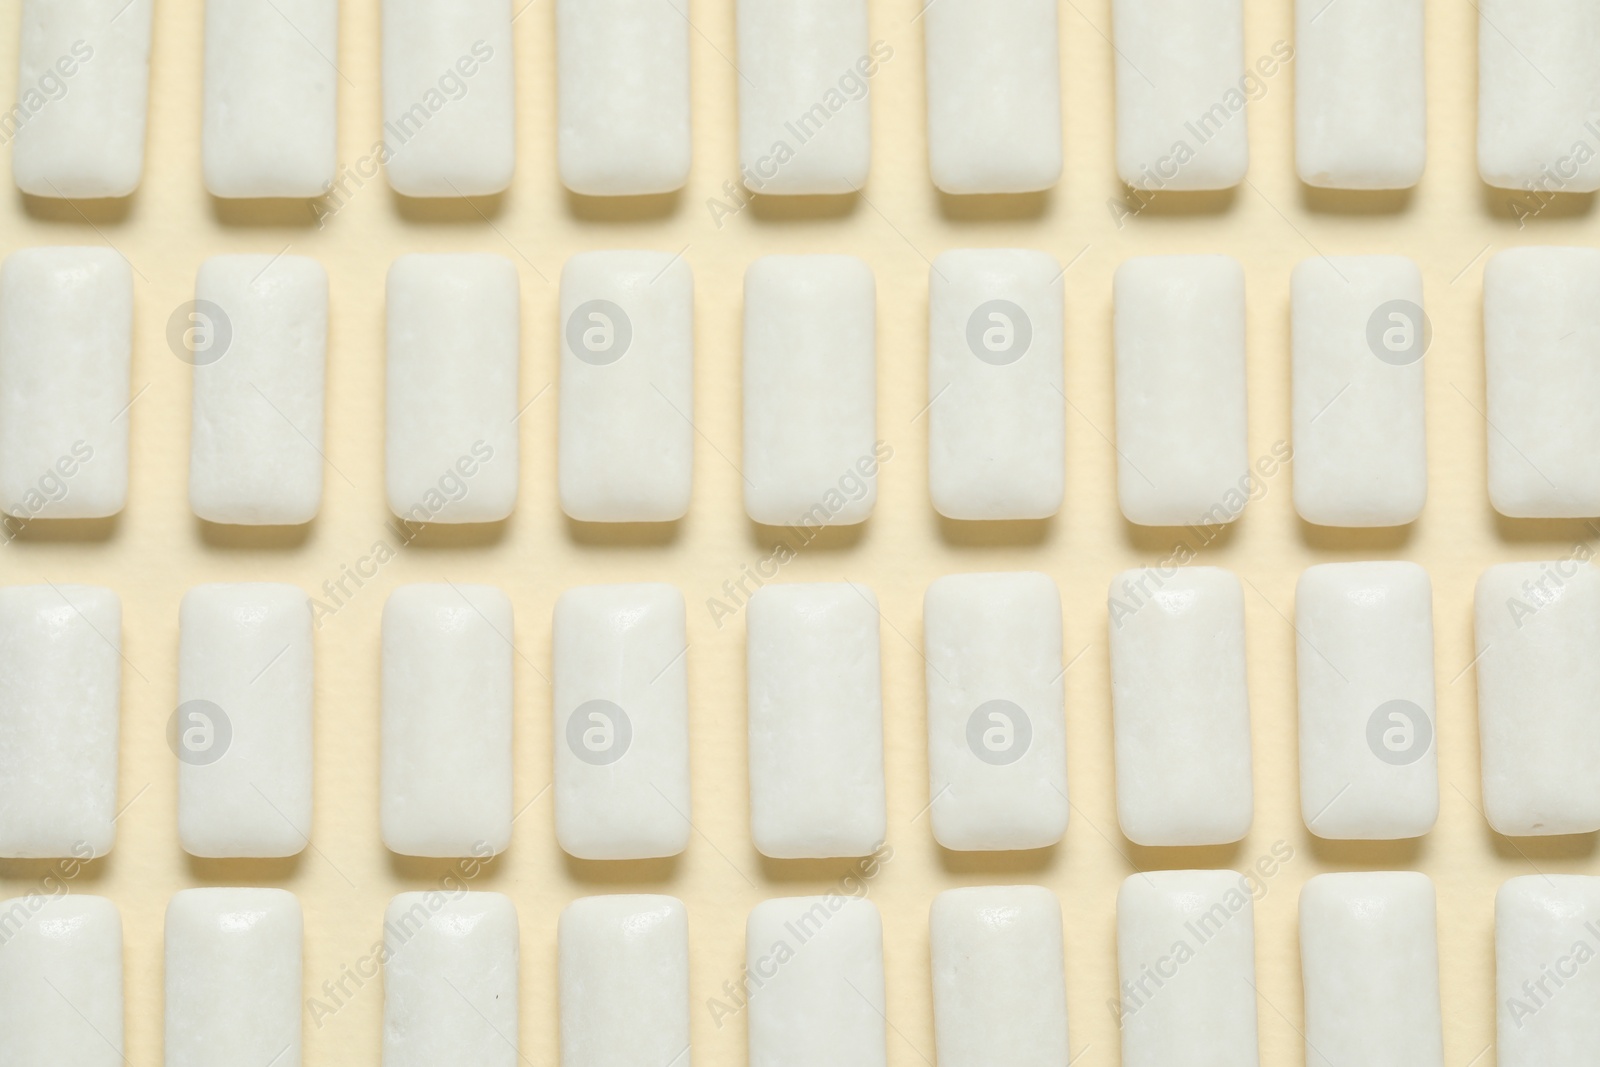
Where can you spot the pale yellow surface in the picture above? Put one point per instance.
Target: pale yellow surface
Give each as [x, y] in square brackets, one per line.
[157, 549]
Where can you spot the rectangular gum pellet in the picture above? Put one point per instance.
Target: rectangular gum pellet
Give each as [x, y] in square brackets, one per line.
[624, 969]
[814, 969]
[1181, 93]
[1541, 349]
[233, 977]
[622, 76]
[999, 987]
[259, 346]
[1180, 706]
[1537, 83]
[621, 688]
[1369, 960]
[626, 450]
[1360, 442]
[1537, 627]
[1546, 930]
[449, 101]
[1182, 440]
[994, 95]
[1186, 962]
[66, 326]
[1369, 769]
[997, 757]
[816, 721]
[271, 92]
[453, 359]
[61, 980]
[805, 116]
[83, 82]
[1360, 119]
[60, 698]
[447, 713]
[810, 391]
[996, 415]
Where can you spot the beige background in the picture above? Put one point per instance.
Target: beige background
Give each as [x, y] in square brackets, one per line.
[157, 549]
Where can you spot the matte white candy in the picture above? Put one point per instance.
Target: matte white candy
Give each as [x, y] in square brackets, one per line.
[1369, 957]
[60, 694]
[83, 80]
[1186, 960]
[1181, 93]
[1541, 347]
[627, 386]
[260, 341]
[997, 419]
[1360, 117]
[805, 117]
[447, 711]
[622, 72]
[821, 999]
[999, 989]
[66, 323]
[624, 982]
[1538, 625]
[994, 95]
[271, 95]
[621, 722]
[233, 978]
[449, 99]
[243, 725]
[1181, 706]
[997, 757]
[1546, 934]
[454, 324]
[816, 721]
[1537, 83]
[61, 980]
[450, 980]
[1360, 444]
[1183, 453]
[810, 391]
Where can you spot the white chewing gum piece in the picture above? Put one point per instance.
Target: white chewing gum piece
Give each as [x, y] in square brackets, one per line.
[450, 980]
[1181, 706]
[1369, 960]
[242, 731]
[1541, 350]
[626, 444]
[622, 78]
[810, 391]
[997, 753]
[1546, 931]
[994, 95]
[233, 978]
[816, 721]
[61, 980]
[805, 114]
[83, 84]
[60, 701]
[820, 964]
[1369, 764]
[454, 349]
[449, 97]
[66, 342]
[1186, 959]
[999, 984]
[624, 979]
[1537, 84]
[621, 722]
[1181, 94]
[270, 116]
[996, 417]
[447, 714]
[1360, 103]
[1360, 442]
[259, 347]
[1182, 440]
[1538, 625]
